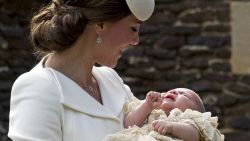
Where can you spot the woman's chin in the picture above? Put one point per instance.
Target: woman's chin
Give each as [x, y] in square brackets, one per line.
[113, 65]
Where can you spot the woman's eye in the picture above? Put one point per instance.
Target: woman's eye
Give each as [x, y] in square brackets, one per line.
[134, 29]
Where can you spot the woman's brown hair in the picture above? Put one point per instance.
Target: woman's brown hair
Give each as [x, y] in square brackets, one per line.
[58, 25]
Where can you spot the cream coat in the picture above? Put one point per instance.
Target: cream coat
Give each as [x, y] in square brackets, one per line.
[48, 106]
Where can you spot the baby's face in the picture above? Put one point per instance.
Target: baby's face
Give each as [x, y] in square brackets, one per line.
[181, 98]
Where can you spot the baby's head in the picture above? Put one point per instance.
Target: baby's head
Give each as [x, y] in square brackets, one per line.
[183, 99]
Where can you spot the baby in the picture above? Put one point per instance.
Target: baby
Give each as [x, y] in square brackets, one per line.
[178, 118]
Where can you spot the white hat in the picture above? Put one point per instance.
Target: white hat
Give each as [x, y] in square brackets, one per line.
[142, 9]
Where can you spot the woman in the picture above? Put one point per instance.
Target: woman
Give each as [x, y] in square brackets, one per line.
[64, 97]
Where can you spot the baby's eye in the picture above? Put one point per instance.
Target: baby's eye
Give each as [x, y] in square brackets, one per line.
[180, 92]
[187, 96]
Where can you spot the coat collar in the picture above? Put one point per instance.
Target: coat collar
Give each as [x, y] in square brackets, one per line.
[76, 98]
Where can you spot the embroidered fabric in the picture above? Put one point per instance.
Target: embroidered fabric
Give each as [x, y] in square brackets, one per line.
[204, 122]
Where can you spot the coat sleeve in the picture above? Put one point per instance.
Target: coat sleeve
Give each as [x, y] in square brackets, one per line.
[35, 110]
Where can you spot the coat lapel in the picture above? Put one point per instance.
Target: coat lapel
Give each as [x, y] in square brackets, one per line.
[74, 97]
[112, 90]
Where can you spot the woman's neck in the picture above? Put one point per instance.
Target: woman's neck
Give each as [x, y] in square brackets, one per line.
[77, 61]
[76, 67]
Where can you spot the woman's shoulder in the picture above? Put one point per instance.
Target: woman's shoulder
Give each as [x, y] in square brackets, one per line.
[35, 100]
[36, 81]
[35, 77]
[37, 88]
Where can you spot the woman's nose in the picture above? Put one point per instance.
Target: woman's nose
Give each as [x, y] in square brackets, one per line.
[135, 41]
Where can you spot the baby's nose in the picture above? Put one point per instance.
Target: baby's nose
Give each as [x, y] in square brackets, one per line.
[174, 92]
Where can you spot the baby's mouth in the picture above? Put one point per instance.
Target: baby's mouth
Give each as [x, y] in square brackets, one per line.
[169, 96]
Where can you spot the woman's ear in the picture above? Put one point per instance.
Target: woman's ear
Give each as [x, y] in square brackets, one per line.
[99, 27]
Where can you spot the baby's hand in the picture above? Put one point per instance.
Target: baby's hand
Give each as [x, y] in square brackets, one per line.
[153, 99]
[163, 127]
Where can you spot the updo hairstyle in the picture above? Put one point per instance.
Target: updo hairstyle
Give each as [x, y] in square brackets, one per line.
[58, 25]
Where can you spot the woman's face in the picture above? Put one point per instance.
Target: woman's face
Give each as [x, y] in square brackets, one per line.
[116, 37]
[181, 98]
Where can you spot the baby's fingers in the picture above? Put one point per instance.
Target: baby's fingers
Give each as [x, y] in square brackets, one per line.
[161, 126]
[155, 124]
[159, 98]
[153, 96]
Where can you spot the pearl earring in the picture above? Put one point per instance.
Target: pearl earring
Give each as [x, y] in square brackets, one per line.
[99, 39]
